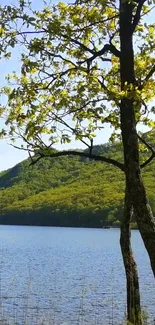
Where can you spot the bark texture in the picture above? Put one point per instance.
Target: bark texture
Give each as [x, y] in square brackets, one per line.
[134, 182]
[134, 315]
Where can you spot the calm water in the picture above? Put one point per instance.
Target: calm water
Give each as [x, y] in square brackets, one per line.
[68, 275]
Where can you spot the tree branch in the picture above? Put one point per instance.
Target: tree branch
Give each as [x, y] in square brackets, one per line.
[31, 32]
[150, 148]
[110, 93]
[80, 154]
[106, 48]
[81, 29]
[54, 76]
[137, 15]
[84, 47]
[145, 163]
[59, 119]
[150, 73]
[146, 143]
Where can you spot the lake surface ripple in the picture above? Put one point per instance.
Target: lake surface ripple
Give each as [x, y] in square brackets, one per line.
[68, 276]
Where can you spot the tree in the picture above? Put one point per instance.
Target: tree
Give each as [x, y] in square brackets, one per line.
[133, 293]
[82, 62]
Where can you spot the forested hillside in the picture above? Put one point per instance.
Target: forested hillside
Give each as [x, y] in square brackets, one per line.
[67, 191]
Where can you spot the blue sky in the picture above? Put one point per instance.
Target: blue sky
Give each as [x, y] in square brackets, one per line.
[9, 155]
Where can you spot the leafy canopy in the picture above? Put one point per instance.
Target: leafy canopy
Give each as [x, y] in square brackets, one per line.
[69, 85]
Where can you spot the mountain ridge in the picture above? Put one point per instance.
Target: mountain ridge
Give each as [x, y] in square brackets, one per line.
[67, 191]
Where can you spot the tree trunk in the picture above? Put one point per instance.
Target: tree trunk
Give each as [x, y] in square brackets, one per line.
[134, 315]
[134, 183]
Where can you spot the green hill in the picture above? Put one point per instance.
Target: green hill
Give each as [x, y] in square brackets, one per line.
[67, 191]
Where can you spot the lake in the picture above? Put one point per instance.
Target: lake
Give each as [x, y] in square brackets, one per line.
[68, 276]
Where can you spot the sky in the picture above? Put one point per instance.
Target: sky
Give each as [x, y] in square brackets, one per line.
[10, 156]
